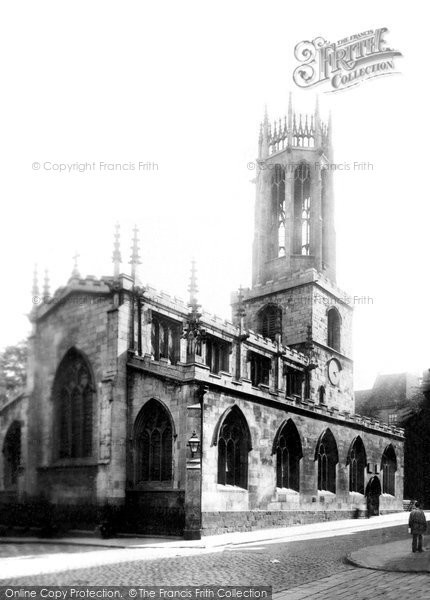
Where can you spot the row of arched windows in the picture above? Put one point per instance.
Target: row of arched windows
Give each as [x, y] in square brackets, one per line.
[233, 438]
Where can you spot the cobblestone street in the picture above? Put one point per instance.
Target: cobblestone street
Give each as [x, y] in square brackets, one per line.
[284, 565]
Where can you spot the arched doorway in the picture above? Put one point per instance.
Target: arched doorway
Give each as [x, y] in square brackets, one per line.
[12, 456]
[373, 491]
[153, 504]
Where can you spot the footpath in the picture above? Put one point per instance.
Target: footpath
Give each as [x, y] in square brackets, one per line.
[394, 556]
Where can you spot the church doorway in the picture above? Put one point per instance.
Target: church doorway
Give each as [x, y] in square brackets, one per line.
[373, 491]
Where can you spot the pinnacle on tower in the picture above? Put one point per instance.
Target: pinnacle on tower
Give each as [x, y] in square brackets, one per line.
[329, 134]
[116, 256]
[317, 107]
[264, 135]
[318, 137]
[290, 111]
[135, 258]
[35, 286]
[46, 286]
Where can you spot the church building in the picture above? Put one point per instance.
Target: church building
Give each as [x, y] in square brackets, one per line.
[181, 422]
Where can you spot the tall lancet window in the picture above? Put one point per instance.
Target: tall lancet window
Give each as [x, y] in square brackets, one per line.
[324, 215]
[73, 395]
[278, 203]
[389, 468]
[302, 210]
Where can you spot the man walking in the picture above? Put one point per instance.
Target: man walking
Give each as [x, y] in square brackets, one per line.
[417, 526]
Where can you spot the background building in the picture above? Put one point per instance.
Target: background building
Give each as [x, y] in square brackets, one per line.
[188, 423]
[391, 398]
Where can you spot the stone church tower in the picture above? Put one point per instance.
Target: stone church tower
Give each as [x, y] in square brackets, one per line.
[294, 297]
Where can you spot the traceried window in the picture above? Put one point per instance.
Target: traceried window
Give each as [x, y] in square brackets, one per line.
[327, 457]
[233, 446]
[270, 321]
[152, 443]
[260, 367]
[73, 398]
[333, 329]
[302, 210]
[11, 455]
[288, 455]
[278, 204]
[357, 463]
[165, 338]
[217, 354]
[389, 468]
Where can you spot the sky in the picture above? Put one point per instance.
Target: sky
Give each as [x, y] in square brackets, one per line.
[181, 88]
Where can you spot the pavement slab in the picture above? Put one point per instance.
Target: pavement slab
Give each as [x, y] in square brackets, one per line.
[392, 556]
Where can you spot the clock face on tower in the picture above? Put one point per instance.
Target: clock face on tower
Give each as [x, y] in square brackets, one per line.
[334, 369]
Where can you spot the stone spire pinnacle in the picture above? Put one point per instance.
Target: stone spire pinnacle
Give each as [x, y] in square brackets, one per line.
[240, 308]
[35, 286]
[46, 285]
[135, 258]
[193, 331]
[264, 135]
[116, 256]
[266, 116]
[290, 110]
[192, 288]
[318, 138]
[75, 272]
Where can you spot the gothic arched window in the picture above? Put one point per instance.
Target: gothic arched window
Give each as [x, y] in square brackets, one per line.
[288, 448]
[333, 329]
[327, 456]
[11, 455]
[389, 468]
[73, 398]
[270, 321]
[357, 464]
[152, 441]
[234, 443]
[302, 210]
[278, 207]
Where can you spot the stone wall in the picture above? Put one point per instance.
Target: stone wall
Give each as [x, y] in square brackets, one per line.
[215, 523]
[79, 321]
